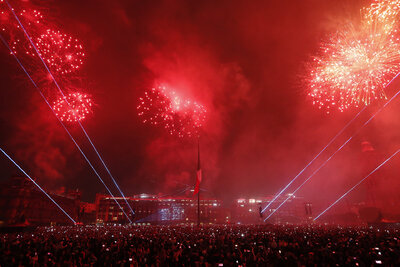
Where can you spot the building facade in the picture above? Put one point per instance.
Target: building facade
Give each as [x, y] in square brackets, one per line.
[21, 203]
[251, 211]
[158, 210]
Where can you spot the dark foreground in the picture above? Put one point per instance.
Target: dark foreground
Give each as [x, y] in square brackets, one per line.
[207, 246]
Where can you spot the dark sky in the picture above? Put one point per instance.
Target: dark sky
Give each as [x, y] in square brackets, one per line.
[244, 60]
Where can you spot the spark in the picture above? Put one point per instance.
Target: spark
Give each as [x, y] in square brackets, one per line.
[80, 105]
[181, 117]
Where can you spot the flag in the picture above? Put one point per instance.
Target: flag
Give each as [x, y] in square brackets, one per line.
[198, 181]
[198, 173]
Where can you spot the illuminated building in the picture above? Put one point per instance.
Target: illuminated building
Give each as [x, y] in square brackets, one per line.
[159, 210]
[247, 211]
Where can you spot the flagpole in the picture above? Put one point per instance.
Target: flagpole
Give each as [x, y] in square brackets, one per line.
[198, 194]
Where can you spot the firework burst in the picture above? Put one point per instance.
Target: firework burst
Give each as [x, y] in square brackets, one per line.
[28, 16]
[355, 65]
[382, 14]
[80, 105]
[61, 52]
[180, 117]
[12, 32]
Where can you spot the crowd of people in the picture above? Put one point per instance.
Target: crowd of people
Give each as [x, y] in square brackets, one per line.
[214, 245]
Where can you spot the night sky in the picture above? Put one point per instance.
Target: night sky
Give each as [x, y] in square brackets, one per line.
[243, 60]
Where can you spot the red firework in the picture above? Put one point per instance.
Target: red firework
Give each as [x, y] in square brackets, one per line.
[63, 54]
[80, 105]
[28, 16]
[356, 64]
[32, 19]
[181, 117]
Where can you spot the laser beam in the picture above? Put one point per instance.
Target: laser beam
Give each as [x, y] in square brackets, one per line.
[329, 143]
[340, 148]
[298, 188]
[357, 184]
[66, 100]
[62, 124]
[37, 185]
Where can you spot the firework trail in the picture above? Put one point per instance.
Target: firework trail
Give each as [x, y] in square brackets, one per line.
[354, 66]
[180, 117]
[80, 105]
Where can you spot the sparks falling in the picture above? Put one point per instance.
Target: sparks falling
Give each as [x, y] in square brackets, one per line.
[80, 105]
[355, 65]
[181, 117]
